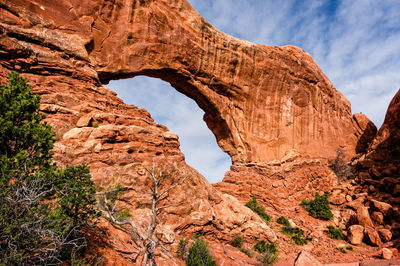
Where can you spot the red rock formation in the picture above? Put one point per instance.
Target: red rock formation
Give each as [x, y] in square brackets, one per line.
[259, 101]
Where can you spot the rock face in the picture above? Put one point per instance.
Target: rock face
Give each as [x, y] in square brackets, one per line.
[260, 102]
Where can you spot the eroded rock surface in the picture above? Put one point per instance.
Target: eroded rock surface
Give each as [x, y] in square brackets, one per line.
[260, 102]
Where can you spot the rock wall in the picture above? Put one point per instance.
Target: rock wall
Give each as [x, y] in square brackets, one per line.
[380, 166]
[261, 102]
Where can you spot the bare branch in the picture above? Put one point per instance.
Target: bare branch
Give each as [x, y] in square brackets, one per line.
[169, 205]
[173, 186]
[149, 243]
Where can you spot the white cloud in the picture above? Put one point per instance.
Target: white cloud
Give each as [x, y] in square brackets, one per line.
[356, 43]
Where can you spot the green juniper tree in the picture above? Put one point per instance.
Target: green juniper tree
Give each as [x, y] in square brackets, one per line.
[199, 254]
[42, 208]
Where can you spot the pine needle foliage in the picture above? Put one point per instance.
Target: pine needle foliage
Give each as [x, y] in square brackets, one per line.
[255, 207]
[199, 254]
[42, 208]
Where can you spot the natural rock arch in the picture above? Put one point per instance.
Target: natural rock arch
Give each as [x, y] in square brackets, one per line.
[260, 102]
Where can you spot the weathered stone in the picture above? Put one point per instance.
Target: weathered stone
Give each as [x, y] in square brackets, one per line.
[165, 234]
[395, 251]
[349, 198]
[377, 217]
[382, 207]
[387, 254]
[337, 199]
[372, 236]
[306, 259]
[84, 121]
[355, 234]
[363, 217]
[385, 234]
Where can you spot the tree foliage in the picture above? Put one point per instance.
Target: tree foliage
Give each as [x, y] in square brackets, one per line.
[255, 207]
[199, 254]
[319, 207]
[42, 208]
[335, 232]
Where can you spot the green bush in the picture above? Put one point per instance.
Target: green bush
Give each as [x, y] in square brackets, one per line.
[296, 234]
[319, 207]
[237, 241]
[42, 208]
[282, 220]
[182, 248]
[253, 205]
[335, 233]
[269, 252]
[199, 254]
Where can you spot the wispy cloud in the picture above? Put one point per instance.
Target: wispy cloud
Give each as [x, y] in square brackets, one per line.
[356, 43]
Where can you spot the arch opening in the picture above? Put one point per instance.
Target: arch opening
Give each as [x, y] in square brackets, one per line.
[182, 116]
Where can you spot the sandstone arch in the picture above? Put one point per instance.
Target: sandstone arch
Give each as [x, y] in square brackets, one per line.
[260, 102]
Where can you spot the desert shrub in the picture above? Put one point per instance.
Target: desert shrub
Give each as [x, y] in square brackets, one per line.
[255, 207]
[282, 220]
[335, 232]
[42, 208]
[199, 254]
[269, 252]
[296, 234]
[237, 241]
[269, 258]
[319, 207]
[182, 248]
[263, 246]
[340, 167]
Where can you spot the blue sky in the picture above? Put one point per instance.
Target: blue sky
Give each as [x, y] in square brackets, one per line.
[355, 42]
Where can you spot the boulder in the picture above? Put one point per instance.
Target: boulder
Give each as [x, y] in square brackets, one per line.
[337, 199]
[387, 254]
[372, 236]
[306, 259]
[363, 217]
[377, 217]
[355, 234]
[382, 207]
[385, 234]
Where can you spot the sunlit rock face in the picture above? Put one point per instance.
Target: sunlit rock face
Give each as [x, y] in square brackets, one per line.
[260, 102]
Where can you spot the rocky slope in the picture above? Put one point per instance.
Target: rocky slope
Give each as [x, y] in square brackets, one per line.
[271, 109]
